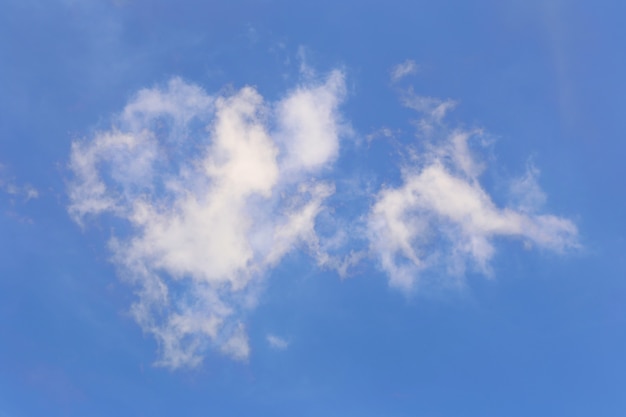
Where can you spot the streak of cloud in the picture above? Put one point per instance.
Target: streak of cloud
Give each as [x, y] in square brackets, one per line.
[404, 69]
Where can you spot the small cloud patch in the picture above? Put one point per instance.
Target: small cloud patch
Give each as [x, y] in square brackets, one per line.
[276, 342]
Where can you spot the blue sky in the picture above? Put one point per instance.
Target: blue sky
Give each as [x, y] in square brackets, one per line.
[283, 208]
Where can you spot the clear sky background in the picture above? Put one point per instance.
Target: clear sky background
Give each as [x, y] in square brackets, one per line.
[282, 208]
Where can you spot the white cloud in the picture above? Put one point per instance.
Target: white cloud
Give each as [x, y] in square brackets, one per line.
[403, 69]
[308, 124]
[215, 190]
[276, 342]
[440, 217]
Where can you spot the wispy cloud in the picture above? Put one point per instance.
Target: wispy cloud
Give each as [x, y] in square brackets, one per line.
[8, 185]
[383, 132]
[441, 219]
[276, 342]
[215, 191]
[432, 109]
[403, 69]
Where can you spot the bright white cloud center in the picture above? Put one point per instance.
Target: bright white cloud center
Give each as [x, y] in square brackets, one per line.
[215, 190]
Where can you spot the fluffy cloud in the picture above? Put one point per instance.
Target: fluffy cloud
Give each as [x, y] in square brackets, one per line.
[215, 190]
[441, 219]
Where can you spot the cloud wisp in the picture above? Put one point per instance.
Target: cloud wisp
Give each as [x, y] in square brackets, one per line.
[215, 190]
[440, 218]
[276, 342]
[402, 70]
[8, 185]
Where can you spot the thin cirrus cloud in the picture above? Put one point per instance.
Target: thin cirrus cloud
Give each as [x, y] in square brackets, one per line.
[24, 192]
[440, 218]
[276, 342]
[216, 190]
[404, 69]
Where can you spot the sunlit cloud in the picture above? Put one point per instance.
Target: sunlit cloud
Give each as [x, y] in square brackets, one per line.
[441, 221]
[215, 191]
